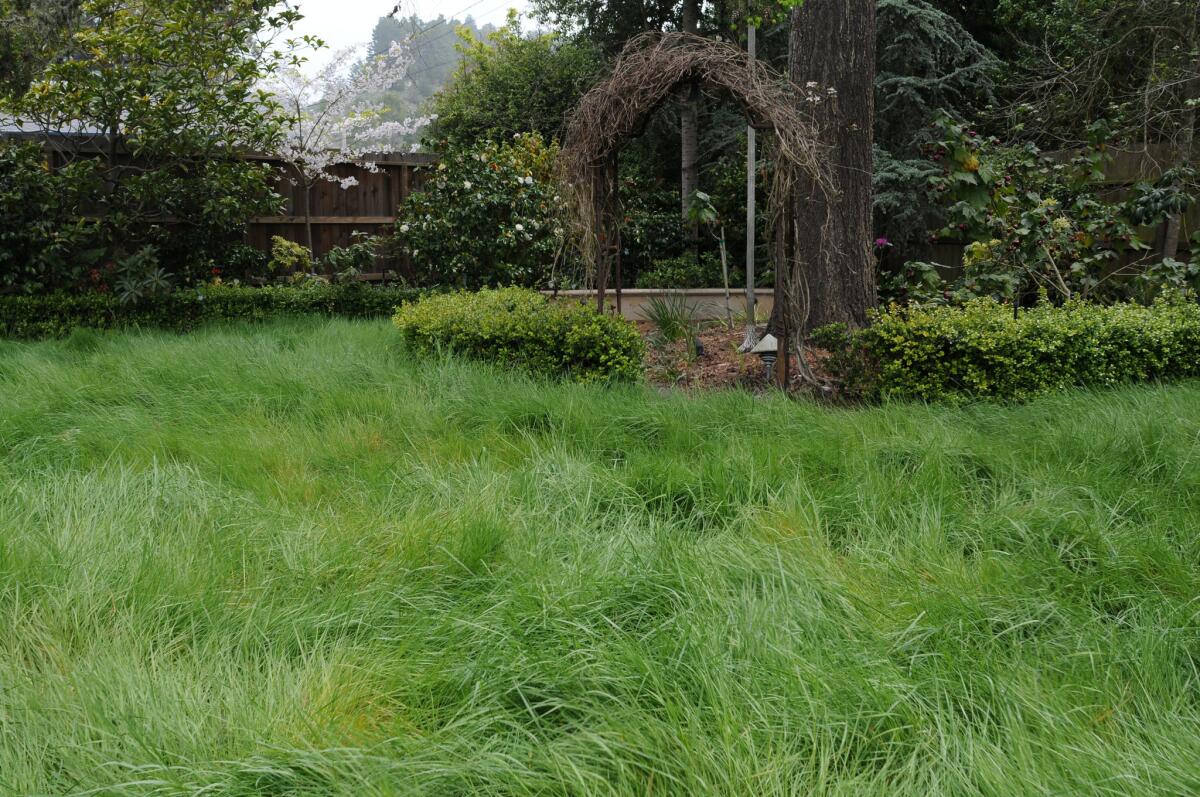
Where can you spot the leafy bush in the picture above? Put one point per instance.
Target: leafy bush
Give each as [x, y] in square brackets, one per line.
[288, 257]
[651, 228]
[487, 217]
[241, 261]
[347, 262]
[524, 329]
[683, 272]
[56, 314]
[1032, 222]
[44, 245]
[981, 351]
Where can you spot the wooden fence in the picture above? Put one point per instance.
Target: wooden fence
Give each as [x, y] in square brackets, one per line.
[336, 213]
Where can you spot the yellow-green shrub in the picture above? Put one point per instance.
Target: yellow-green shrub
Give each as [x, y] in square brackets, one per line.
[981, 351]
[524, 329]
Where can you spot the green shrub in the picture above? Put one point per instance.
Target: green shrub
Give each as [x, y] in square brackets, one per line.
[512, 82]
[288, 257]
[486, 217]
[55, 315]
[524, 329]
[347, 262]
[683, 272]
[980, 350]
[44, 244]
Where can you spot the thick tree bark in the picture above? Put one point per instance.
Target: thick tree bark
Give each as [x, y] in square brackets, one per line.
[689, 128]
[832, 45]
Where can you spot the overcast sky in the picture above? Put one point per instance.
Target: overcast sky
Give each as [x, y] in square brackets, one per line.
[344, 23]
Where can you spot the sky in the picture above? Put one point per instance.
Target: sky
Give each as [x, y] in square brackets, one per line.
[345, 23]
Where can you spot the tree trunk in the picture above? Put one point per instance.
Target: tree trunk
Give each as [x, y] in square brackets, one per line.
[308, 221]
[689, 130]
[832, 45]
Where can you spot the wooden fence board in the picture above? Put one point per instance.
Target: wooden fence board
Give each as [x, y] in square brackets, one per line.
[337, 213]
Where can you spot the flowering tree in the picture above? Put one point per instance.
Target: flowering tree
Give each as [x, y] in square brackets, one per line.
[333, 117]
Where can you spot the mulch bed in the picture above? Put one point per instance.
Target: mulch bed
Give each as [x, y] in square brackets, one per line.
[718, 365]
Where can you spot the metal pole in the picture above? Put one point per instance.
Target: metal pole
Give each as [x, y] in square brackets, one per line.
[751, 157]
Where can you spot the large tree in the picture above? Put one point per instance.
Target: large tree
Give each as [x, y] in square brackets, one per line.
[832, 50]
[512, 82]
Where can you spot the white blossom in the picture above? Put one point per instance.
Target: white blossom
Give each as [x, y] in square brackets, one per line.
[329, 118]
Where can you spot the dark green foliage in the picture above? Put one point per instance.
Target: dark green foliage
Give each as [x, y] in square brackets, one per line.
[511, 83]
[1132, 62]
[44, 245]
[56, 314]
[982, 351]
[241, 261]
[608, 23]
[651, 229]
[347, 262]
[524, 329]
[683, 272]
[928, 66]
[32, 32]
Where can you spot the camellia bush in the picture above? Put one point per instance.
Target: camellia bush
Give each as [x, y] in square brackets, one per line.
[983, 350]
[524, 329]
[489, 216]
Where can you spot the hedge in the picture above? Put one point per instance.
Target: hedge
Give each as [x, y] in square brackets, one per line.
[523, 329]
[981, 351]
[54, 315]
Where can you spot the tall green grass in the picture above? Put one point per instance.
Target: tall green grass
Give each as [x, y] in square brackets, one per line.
[290, 560]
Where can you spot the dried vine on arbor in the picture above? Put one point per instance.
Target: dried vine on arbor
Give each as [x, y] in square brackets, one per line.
[649, 71]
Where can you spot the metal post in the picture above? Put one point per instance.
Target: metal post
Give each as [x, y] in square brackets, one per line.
[751, 157]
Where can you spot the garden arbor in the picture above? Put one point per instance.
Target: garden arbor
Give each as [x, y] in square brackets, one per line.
[650, 70]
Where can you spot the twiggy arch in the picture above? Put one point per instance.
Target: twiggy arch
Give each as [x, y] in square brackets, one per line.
[649, 70]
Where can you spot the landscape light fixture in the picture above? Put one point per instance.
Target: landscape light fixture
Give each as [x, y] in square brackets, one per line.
[768, 350]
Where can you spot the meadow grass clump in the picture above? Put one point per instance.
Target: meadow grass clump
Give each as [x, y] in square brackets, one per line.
[290, 559]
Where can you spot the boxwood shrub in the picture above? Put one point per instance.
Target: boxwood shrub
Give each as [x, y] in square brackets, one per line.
[524, 329]
[981, 350]
[54, 315]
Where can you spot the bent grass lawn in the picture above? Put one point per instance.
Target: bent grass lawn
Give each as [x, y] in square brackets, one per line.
[291, 560]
